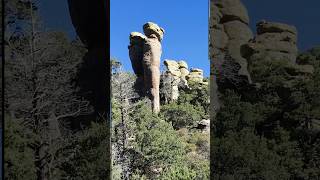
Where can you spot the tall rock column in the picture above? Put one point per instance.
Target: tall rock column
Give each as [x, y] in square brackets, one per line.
[145, 53]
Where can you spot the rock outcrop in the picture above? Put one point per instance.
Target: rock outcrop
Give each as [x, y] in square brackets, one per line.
[233, 49]
[145, 53]
[179, 76]
[274, 41]
[175, 76]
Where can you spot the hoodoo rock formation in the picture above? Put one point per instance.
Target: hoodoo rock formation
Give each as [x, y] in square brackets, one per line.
[145, 53]
[274, 41]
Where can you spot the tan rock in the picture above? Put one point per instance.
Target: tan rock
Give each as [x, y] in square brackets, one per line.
[136, 36]
[171, 65]
[145, 53]
[239, 31]
[183, 64]
[184, 72]
[152, 51]
[232, 10]
[151, 28]
[196, 70]
[176, 73]
[283, 36]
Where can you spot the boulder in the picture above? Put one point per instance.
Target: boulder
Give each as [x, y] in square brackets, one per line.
[151, 29]
[183, 64]
[196, 71]
[238, 31]
[184, 72]
[171, 65]
[232, 10]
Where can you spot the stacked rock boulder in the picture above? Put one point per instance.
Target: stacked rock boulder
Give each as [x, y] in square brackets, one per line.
[145, 53]
[180, 76]
[276, 42]
[196, 75]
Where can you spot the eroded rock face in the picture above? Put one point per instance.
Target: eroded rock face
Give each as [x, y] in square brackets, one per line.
[145, 54]
[229, 31]
[175, 77]
[195, 75]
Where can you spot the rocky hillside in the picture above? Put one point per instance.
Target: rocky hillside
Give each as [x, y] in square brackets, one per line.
[265, 98]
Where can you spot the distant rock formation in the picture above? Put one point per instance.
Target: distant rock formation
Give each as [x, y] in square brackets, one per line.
[274, 41]
[179, 76]
[175, 76]
[145, 53]
[233, 48]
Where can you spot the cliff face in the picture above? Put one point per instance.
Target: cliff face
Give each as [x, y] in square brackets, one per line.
[228, 32]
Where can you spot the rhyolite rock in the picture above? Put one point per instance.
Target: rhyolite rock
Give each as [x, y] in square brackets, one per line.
[145, 54]
[229, 31]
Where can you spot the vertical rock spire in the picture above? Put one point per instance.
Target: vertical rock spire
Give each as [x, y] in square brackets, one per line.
[145, 54]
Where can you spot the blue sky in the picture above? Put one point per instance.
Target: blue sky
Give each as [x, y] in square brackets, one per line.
[185, 24]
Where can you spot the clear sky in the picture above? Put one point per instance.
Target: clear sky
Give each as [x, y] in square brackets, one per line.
[185, 24]
[304, 15]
